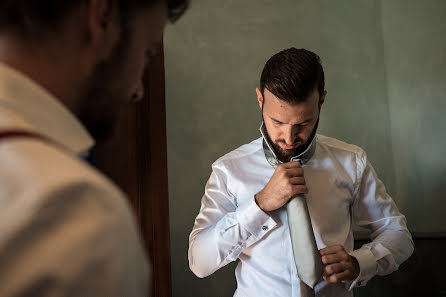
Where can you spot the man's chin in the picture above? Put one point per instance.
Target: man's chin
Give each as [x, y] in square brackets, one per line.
[287, 156]
[106, 133]
[101, 124]
[101, 116]
[284, 154]
[102, 132]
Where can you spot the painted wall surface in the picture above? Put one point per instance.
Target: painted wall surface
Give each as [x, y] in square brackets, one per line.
[385, 67]
[415, 57]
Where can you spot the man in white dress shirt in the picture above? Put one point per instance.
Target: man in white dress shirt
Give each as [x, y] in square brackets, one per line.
[243, 214]
[67, 68]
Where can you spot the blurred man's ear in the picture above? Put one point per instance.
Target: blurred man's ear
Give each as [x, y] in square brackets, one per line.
[103, 26]
[322, 99]
[259, 97]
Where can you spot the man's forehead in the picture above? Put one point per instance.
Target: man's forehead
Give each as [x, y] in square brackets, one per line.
[285, 112]
[314, 96]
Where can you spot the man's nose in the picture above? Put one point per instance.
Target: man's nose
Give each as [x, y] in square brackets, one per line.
[139, 92]
[290, 135]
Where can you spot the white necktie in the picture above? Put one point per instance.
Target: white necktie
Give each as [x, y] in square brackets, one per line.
[306, 254]
[305, 251]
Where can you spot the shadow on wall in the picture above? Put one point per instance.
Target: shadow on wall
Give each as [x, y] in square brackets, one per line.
[421, 275]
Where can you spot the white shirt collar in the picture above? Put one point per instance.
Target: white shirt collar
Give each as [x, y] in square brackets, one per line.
[29, 106]
[302, 156]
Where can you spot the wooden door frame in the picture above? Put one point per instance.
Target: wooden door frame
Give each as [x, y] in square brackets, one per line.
[153, 176]
[136, 160]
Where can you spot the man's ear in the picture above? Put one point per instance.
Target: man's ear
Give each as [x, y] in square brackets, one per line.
[103, 26]
[259, 97]
[322, 99]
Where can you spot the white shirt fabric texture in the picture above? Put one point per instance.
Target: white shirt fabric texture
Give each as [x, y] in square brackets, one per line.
[65, 229]
[343, 187]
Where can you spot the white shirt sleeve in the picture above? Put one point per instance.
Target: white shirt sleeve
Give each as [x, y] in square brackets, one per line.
[375, 210]
[76, 239]
[222, 229]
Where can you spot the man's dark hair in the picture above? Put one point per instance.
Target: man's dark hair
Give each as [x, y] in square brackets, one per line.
[29, 18]
[292, 75]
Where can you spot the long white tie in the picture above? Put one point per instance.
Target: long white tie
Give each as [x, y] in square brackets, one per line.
[305, 251]
[306, 254]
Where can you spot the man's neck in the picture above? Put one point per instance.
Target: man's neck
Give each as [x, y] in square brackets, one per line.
[304, 153]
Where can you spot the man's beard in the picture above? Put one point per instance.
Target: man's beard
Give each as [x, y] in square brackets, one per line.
[282, 154]
[100, 108]
[285, 155]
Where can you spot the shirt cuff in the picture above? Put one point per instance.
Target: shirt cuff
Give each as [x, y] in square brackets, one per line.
[367, 267]
[254, 220]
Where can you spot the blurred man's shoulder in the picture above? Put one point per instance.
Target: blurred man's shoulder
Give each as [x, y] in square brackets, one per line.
[58, 205]
[33, 170]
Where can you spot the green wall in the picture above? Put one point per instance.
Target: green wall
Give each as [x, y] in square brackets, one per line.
[415, 59]
[385, 67]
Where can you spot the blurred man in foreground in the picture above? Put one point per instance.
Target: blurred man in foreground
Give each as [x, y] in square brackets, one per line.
[67, 68]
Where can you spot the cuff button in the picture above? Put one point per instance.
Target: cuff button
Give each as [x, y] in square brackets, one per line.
[264, 228]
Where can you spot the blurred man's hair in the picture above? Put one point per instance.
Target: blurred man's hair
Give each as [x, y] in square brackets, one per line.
[292, 75]
[33, 18]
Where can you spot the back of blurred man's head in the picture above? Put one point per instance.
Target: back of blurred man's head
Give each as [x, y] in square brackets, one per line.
[30, 18]
[89, 54]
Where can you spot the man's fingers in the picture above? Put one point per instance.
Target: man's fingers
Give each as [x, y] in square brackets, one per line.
[335, 258]
[339, 266]
[299, 189]
[297, 180]
[289, 165]
[292, 172]
[331, 250]
[330, 259]
[334, 268]
[344, 276]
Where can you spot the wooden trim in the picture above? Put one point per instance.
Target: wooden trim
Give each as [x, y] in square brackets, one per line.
[136, 160]
[151, 119]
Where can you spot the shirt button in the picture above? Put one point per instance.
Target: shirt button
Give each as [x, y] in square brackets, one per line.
[264, 228]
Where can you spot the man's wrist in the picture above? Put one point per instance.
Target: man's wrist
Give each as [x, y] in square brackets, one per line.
[258, 200]
[356, 267]
[367, 266]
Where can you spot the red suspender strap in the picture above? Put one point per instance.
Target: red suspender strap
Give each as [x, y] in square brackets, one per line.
[21, 134]
[11, 134]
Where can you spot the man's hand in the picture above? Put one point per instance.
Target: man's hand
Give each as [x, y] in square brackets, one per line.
[339, 266]
[286, 182]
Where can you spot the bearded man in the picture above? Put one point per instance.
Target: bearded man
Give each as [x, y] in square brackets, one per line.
[248, 211]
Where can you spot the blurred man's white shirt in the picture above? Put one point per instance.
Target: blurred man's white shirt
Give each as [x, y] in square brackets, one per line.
[65, 230]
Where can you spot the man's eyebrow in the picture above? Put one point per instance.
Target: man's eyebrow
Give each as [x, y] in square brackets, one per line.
[305, 121]
[275, 120]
